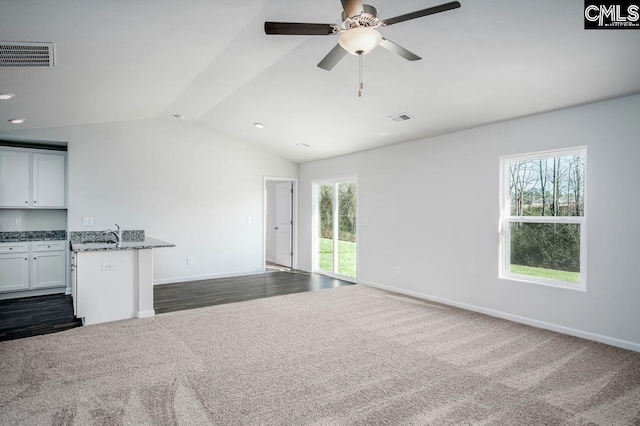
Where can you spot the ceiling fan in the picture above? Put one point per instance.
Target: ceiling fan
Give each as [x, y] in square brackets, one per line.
[358, 31]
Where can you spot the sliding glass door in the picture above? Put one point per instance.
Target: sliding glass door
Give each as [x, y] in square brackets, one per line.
[335, 228]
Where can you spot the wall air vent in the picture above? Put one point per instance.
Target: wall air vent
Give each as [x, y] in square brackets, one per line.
[26, 55]
[401, 117]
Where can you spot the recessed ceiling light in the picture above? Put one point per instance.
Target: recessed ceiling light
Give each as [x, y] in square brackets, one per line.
[259, 125]
[17, 120]
[6, 96]
[179, 116]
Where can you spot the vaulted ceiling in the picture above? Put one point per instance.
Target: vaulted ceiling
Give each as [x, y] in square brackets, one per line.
[210, 60]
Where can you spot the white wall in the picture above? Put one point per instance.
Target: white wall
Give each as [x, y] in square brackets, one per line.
[432, 209]
[179, 182]
[33, 220]
[271, 220]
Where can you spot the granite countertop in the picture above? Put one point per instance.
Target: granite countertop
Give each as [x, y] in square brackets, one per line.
[147, 243]
[25, 236]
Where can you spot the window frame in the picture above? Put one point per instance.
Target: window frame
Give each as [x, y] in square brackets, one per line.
[506, 219]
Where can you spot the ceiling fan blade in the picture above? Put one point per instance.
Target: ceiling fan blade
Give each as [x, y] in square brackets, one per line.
[296, 28]
[421, 13]
[332, 58]
[399, 50]
[352, 7]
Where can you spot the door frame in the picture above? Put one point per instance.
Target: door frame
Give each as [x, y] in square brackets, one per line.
[294, 227]
[315, 224]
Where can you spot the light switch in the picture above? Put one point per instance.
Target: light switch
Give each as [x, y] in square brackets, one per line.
[87, 221]
[18, 221]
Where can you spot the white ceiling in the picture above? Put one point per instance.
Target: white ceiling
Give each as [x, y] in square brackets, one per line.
[489, 61]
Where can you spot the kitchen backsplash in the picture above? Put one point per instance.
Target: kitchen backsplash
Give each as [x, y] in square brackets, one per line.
[13, 236]
[91, 236]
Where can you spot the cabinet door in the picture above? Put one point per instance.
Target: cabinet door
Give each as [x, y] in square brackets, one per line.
[14, 179]
[48, 180]
[48, 269]
[14, 272]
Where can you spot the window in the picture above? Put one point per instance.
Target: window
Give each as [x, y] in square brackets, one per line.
[543, 225]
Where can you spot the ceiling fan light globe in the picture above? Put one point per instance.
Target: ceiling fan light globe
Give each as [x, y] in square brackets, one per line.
[361, 39]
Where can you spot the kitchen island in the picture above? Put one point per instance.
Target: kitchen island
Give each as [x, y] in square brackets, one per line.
[112, 281]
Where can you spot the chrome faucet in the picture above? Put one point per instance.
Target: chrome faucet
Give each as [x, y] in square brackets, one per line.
[117, 234]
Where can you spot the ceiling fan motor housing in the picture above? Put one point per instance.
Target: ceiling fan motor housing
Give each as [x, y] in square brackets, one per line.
[368, 18]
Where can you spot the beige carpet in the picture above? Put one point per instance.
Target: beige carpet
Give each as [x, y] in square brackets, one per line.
[351, 355]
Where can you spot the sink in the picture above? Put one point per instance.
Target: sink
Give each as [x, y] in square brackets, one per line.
[97, 243]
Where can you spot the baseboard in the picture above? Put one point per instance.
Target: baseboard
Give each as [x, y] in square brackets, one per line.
[32, 293]
[271, 260]
[162, 281]
[146, 314]
[515, 318]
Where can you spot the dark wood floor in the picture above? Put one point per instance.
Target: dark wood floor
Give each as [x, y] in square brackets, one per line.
[32, 316]
[198, 294]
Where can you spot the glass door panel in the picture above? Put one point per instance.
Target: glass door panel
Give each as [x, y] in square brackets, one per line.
[325, 228]
[346, 264]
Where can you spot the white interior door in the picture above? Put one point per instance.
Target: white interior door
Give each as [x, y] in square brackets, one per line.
[284, 194]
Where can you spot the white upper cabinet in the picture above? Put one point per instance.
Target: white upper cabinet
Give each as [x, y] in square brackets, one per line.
[32, 180]
[14, 179]
[48, 180]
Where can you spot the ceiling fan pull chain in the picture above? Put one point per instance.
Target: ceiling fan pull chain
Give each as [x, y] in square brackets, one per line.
[361, 86]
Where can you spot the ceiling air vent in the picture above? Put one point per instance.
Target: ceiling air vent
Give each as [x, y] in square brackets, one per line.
[26, 55]
[401, 117]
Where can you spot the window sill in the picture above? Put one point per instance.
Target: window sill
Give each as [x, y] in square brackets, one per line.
[548, 283]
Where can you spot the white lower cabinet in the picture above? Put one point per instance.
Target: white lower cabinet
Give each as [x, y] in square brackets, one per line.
[14, 272]
[32, 266]
[48, 270]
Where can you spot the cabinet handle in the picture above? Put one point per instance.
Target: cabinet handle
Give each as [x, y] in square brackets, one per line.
[35, 258]
[26, 202]
[10, 248]
[26, 258]
[34, 201]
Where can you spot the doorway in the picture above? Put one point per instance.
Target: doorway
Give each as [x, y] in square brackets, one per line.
[280, 218]
[334, 230]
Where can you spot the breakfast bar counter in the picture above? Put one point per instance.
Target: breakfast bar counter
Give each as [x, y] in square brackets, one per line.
[113, 280]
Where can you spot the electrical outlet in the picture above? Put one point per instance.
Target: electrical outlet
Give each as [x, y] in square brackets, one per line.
[108, 267]
[18, 221]
[87, 221]
[189, 260]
